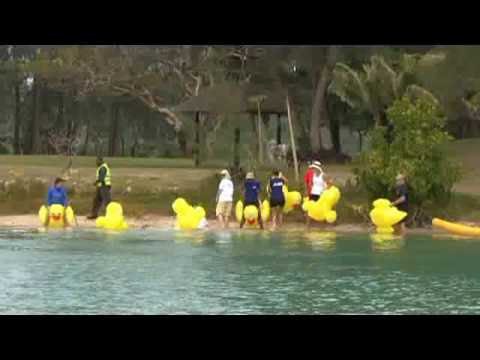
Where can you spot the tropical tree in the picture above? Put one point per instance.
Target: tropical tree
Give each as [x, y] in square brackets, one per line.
[375, 88]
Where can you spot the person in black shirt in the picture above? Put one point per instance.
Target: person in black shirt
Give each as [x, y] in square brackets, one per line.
[401, 191]
[277, 197]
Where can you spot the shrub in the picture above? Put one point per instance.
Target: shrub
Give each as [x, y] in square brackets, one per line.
[412, 147]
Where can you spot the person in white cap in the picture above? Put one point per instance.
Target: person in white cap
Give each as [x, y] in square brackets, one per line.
[225, 199]
[319, 185]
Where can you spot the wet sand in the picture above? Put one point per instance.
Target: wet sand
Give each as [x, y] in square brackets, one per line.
[165, 222]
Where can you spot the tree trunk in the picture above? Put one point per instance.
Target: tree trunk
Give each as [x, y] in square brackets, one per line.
[320, 101]
[292, 139]
[84, 151]
[279, 129]
[16, 126]
[197, 139]
[114, 124]
[34, 133]
[255, 132]
[182, 142]
[61, 111]
[335, 134]
[260, 135]
[236, 150]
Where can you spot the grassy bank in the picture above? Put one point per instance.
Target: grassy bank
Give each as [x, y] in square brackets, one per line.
[150, 185]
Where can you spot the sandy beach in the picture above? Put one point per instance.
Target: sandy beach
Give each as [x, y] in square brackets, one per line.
[165, 222]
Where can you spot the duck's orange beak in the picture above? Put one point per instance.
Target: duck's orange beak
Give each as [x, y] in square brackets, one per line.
[56, 217]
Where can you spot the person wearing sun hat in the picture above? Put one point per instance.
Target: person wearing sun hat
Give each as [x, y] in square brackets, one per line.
[401, 202]
[225, 199]
[318, 185]
[252, 189]
[309, 176]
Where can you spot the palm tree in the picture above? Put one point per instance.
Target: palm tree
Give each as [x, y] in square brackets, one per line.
[376, 87]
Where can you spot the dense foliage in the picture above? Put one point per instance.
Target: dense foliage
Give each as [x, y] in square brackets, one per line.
[413, 147]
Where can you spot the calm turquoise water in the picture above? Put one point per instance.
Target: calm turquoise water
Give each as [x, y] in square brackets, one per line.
[167, 272]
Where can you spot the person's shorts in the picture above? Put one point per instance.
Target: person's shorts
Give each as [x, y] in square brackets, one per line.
[251, 204]
[224, 208]
[314, 197]
[277, 203]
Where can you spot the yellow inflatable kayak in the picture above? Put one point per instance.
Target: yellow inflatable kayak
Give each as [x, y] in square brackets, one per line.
[455, 228]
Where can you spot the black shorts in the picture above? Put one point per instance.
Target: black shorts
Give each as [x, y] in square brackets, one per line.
[277, 203]
[251, 204]
[314, 197]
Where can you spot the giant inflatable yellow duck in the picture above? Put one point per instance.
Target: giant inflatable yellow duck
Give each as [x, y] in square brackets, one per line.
[293, 199]
[323, 209]
[56, 217]
[251, 213]
[114, 219]
[384, 215]
[188, 217]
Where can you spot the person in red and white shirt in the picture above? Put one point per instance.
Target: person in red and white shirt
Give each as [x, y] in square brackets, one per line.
[308, 179]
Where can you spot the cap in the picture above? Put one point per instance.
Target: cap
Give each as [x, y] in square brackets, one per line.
[250, 175]
[316, 163]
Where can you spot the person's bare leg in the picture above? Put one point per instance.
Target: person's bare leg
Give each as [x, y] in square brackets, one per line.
[242, 223]
[274, 218]
[280, 217]
[399, 229]
[260, 221]
[227, 220]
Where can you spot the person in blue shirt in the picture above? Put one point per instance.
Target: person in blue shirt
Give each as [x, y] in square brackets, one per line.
[277, 197]
[252, 189]
[57, 193]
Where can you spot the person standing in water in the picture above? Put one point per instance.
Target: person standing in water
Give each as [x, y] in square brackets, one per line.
[225, 199]
[103, 184]
[252, 189]
[277, 197]
[318, 185]
[401, 202]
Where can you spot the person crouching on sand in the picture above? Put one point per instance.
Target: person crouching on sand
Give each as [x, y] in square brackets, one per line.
[401, 202]
[225, 199]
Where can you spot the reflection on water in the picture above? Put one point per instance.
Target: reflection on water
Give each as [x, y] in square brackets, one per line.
[190, 236]
[236, 272]
[314, 240]
[386, 242]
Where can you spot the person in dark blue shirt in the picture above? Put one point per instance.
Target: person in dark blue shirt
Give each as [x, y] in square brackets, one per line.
[57, 194]
[277, 197]
[252, 190]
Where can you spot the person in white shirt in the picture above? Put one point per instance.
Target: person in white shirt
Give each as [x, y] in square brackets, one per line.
[319, 185]
[225, 199]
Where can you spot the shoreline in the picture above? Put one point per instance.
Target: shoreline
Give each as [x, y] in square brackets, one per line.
[157, 222]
